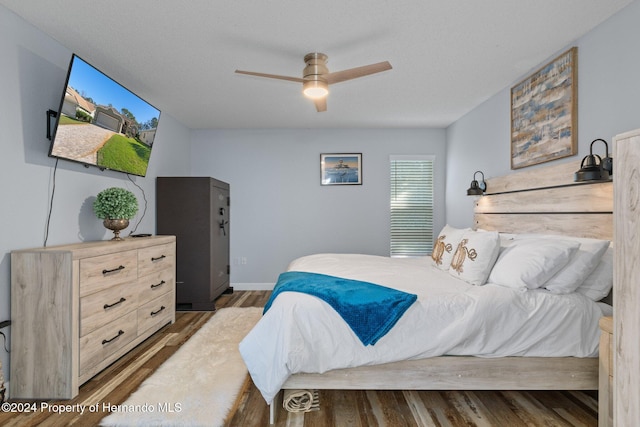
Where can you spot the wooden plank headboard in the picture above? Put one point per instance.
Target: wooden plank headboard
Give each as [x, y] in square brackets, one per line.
[546, 200]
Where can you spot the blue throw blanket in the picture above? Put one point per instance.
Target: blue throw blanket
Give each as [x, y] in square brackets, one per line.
[370, 310]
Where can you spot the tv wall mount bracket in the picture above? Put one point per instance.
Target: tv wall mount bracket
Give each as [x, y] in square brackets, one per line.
[50, 114]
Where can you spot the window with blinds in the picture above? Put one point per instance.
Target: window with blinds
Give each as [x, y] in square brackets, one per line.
[411, 205]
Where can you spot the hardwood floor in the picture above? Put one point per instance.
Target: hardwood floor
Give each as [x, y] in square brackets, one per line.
[337, 408]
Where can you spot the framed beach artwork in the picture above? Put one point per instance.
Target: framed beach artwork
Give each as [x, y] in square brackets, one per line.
[544, 113]
[341, 169]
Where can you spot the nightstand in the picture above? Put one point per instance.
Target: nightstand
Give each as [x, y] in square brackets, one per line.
[605, 391]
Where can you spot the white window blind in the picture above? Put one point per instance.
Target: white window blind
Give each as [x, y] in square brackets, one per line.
[411, 205]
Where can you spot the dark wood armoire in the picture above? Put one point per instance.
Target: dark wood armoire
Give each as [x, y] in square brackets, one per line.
[196, 211]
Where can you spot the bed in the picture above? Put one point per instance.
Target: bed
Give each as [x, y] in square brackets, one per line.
[524, 357]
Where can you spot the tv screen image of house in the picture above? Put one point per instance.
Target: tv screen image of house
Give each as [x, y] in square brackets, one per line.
[103, 124]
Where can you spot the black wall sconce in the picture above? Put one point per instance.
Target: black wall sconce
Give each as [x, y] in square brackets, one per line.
[477, 188]
[592, 170]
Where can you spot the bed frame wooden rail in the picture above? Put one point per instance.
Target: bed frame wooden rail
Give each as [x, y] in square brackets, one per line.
[538, 200]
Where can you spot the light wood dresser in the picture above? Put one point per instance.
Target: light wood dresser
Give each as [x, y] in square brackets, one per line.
[605, 386]
[75, 309]
[626, 271]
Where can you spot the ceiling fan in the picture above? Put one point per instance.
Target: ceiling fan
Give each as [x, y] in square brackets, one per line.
[316, 77]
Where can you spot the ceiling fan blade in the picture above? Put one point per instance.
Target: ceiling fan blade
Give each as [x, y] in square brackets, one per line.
[321, 104]
[272, 76]
[353, 73]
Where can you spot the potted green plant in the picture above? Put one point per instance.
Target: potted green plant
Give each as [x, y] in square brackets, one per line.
[115, 206]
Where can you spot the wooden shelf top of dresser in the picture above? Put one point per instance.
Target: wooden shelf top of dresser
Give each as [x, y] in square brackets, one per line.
[101, 247]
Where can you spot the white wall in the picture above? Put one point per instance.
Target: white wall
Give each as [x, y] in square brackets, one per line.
[33, 70]
[279, 210]
[608, 104]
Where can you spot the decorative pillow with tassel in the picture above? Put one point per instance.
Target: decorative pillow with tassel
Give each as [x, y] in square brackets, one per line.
[445, 245]
[475, 255]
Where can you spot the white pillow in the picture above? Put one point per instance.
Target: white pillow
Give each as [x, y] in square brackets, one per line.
[445, 245]
[599, 283]
[506, 239]
[510, 236]
[579, 267]
[474, 256]
[529, 263]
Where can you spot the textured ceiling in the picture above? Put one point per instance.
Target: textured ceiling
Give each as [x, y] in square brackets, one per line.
[447, 56]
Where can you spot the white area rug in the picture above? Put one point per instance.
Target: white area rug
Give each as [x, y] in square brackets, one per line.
[198, 384]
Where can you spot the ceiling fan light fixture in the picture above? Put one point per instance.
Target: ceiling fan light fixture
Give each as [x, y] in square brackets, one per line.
[316, 77]
[315, 89]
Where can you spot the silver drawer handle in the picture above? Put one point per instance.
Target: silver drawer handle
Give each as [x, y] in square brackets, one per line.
[120, 332]
[105, 271]
[153, 313]
[115, 303]
[158, 258]
[158, 284]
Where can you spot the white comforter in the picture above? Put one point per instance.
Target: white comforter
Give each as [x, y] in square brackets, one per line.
[301, 333]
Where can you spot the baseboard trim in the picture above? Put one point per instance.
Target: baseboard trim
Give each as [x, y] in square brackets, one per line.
[253, 286]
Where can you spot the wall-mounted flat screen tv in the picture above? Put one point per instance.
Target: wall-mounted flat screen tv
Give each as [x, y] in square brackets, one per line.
[101, 123]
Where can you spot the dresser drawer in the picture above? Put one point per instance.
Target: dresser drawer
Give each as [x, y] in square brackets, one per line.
[105, 341]
[156, 258]
[100, 308]
[154, 285]
[99, 272]
[156, 312]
